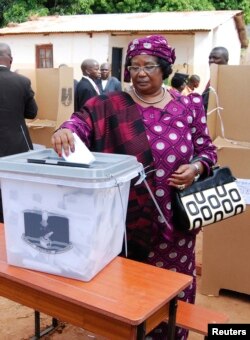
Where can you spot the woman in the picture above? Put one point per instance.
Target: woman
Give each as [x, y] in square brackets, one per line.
[168, 134]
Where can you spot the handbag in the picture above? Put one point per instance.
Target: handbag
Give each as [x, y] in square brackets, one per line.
[207, 201]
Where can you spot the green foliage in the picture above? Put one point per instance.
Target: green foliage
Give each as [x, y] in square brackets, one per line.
[114, 6]
[22, 10]
[243, 5]
[186, 5]
[4, 4]
[70, 7]
[130, 6]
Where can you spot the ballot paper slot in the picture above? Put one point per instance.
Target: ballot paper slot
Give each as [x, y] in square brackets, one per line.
[57, 161]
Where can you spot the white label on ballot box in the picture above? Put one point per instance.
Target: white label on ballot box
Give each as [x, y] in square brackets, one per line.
[81, 154]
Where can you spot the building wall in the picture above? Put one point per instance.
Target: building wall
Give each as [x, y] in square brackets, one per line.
[85, 46]
[227, 36]
[203, 46]
[72, 49]
[224, 35]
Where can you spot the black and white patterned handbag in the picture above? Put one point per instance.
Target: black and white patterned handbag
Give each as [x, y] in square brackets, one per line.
[207, 201]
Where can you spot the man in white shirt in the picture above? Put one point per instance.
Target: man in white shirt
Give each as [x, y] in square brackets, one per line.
[107, 83]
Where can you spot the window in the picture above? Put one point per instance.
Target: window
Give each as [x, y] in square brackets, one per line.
[44, 56]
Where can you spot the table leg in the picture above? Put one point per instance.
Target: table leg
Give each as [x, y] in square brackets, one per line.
[172, 318]
[37, 325]
[38, 333]
[141, 331]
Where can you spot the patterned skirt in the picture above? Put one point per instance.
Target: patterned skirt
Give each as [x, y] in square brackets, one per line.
[178, 256]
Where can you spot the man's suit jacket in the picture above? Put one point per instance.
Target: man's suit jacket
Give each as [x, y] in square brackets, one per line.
[84, 91]
[112, 85]
[16, 104]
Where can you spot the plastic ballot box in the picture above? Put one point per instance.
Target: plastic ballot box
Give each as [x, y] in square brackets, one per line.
[65, 218]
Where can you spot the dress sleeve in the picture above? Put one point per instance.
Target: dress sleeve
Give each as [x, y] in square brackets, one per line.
[80, 123]
[204, 149]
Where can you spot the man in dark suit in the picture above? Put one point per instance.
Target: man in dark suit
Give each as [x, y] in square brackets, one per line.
[107, 83]
[16, 104]
[86, 87]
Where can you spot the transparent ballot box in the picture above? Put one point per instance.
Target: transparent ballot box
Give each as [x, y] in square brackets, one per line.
[65, 218]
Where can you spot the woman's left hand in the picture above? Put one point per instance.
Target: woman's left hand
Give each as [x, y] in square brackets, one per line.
[183, 176]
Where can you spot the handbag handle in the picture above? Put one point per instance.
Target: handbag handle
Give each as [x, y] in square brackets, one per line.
[156, 204]
[218, 177]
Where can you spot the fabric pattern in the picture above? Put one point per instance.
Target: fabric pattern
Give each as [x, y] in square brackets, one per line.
[176, 135]
[178, 256]
[112, 124]
[161, 140]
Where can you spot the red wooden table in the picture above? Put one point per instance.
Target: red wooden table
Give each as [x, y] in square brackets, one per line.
[125, 300]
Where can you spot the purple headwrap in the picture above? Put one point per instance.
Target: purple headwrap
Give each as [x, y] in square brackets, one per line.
[155, 45]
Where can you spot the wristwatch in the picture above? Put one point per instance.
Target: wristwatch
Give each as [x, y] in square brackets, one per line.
[198, 171]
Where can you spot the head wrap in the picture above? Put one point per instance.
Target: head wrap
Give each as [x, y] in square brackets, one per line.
[155, 45]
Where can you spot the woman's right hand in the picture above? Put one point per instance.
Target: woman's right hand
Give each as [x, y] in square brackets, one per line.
[63, 139]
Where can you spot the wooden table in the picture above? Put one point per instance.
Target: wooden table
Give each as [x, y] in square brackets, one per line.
[126, 300]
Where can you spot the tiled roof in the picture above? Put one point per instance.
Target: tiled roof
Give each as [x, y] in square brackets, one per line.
[129, 22]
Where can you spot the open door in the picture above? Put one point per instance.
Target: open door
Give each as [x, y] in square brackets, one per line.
[116, 67]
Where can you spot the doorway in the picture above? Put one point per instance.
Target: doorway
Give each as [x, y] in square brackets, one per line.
[117, 62]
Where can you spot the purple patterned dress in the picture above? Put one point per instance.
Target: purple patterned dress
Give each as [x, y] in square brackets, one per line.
[175, 135]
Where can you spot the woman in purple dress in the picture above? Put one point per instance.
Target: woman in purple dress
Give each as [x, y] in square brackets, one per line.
[168, 133]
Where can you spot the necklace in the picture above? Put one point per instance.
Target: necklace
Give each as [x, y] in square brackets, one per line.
[144, 101]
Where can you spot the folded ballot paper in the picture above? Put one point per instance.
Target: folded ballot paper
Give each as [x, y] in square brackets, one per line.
[81, 154]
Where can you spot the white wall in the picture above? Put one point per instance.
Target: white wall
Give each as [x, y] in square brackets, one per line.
[84, 47]
[224, 35]
[227, 36]
[23, 50]
[203, 46]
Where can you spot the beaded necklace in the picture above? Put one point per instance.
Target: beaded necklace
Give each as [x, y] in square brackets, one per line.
[144, 101]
